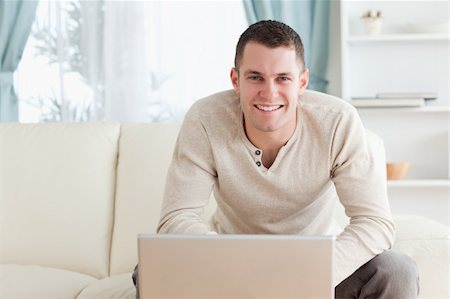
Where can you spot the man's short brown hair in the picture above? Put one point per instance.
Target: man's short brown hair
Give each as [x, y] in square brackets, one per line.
[271, 34]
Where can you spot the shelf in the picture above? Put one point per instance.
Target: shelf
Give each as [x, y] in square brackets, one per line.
[430, 109]
[419, 183]
[398, 38]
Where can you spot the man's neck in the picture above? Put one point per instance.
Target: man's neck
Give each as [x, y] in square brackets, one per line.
[269, 142]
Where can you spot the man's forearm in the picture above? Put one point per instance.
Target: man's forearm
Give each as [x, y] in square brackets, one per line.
[361, 240]
[183, 221]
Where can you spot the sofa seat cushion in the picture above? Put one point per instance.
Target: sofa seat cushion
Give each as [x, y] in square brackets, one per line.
[25, 282]
[114, 287]
[428, 243]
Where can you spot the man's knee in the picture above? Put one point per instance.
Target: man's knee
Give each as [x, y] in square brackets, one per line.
[397, 270]
[388, 275]
[394, 263]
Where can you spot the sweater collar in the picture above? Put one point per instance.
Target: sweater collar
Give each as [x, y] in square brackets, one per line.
[252, 148]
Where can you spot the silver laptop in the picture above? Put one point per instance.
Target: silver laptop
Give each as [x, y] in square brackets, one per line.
[235, 266]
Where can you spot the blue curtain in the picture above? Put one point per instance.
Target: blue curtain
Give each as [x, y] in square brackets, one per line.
[16, 18]
[310, 18]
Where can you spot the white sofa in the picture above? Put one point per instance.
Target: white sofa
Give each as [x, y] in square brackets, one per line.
[73, 197]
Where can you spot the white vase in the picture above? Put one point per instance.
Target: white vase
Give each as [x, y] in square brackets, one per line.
[372, 26]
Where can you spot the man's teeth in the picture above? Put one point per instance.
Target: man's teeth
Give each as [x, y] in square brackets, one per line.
[268, 108]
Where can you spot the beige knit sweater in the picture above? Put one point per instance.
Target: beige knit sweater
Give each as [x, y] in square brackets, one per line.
[328, 159]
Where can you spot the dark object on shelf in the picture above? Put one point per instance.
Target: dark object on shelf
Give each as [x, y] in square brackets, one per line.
[401, 95]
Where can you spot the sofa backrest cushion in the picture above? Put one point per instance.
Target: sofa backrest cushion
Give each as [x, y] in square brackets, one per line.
[145, 152]
[57, 183]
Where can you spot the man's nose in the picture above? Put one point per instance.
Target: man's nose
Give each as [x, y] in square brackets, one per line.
[269, 90]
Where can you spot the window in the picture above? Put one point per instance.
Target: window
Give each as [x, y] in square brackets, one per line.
[126, 61]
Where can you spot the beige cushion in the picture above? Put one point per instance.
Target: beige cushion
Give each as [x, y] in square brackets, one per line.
[56, 195]
[115, 287]
[428, 244]
[145, 154]
[25, 282]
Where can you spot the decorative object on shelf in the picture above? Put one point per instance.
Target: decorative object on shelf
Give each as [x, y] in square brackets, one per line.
[373, 21]
[402, 95]
[367, 102]
[397, 171]
[394, 99]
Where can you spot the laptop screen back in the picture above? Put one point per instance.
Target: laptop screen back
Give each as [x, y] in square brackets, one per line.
[235, 266]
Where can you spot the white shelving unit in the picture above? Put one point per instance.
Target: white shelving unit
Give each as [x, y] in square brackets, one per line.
[401, 61]
[433, 109]
[397, 38]
[419, 183]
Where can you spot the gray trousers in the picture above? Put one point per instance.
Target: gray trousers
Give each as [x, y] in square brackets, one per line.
[389, 275]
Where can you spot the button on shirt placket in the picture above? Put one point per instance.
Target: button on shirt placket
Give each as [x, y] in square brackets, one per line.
[258, 158]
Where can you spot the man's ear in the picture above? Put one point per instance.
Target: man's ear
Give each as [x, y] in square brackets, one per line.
[304, 80]
[234, 76]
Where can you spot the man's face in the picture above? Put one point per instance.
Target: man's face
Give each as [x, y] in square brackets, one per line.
[269, 81]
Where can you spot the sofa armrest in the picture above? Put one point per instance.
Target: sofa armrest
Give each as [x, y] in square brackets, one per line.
[428, 244]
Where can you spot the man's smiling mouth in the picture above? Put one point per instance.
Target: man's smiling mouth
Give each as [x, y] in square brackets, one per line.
[268, 108]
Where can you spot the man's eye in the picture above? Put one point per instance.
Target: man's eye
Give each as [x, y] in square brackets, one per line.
[254, 78]
[283, 78]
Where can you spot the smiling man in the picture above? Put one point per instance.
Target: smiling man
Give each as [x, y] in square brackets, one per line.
[270, 83]
[279, 158]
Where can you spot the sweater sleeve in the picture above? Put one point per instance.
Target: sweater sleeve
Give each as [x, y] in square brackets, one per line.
[359, 175]
[189, 181]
